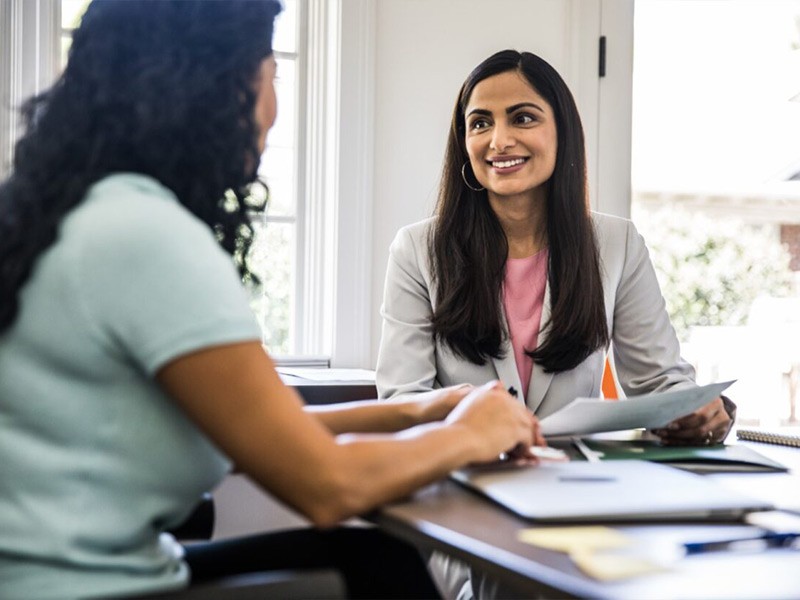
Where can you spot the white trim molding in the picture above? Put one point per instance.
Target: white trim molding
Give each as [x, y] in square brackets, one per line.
[354, 152]
[30, 36]
[582, 32]
[336, 191]
[317, 189]
[615, 106]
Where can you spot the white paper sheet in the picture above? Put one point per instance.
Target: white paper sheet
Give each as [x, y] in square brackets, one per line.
[594, 415]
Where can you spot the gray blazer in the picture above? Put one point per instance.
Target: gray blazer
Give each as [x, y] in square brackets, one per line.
[646, 351]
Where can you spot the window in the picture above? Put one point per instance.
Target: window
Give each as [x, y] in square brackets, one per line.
[277, 251]
[317, 279]
[275, 254]
[716, 120]
[71, 12]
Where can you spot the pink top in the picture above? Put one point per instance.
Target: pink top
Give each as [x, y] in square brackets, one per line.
[523, 298]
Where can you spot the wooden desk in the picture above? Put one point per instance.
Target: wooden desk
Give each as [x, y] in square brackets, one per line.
[331, 392]
[445, 516]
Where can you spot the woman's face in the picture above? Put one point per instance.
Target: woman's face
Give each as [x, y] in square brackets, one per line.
[510, 135]
[266, 102]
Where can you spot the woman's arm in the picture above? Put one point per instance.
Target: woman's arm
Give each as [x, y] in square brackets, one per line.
[236, 397]
[647, 351]
[391, 415]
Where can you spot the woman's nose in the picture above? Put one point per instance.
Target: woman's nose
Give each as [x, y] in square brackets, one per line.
[502, 138]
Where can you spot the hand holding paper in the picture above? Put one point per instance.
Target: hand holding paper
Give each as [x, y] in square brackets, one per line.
[593, 415]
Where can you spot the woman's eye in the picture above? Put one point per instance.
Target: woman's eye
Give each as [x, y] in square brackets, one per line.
[524, 119]
[479, 124]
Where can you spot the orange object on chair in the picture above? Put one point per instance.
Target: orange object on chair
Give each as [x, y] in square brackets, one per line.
[609, 383]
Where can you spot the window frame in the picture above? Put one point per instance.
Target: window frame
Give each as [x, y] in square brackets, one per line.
[31, 60]
[30, 48]
[334, 294]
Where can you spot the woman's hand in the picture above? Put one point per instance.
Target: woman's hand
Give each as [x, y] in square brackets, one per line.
[497, 422]
[704, 427]
[437, 404]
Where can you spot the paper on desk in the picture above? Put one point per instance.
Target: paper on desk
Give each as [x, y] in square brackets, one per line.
[593, 415]
[592, 549]
[574, 539]
[318, 374]
[608, 566]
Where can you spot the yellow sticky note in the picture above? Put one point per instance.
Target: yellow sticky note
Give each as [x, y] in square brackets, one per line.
[608, 566]
[575, 539]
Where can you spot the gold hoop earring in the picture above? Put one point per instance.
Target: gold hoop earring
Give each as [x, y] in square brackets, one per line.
[466, 182]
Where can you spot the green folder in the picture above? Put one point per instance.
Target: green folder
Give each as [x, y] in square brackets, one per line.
[698, 459]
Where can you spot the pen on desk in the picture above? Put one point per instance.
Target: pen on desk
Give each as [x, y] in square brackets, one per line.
[589, 454]
[768, 540]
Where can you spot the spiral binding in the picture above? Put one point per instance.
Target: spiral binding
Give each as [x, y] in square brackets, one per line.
[768, 437]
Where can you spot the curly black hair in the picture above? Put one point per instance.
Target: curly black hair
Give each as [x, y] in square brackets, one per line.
[166, 89]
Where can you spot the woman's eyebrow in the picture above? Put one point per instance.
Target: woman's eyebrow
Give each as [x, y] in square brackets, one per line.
[480, 111]
[516, 107]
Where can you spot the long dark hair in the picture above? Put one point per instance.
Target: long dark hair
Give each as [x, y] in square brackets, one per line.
[166, 89]
[468, 247]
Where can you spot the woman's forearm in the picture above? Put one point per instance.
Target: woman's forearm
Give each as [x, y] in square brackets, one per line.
[231, 393]
[367, 416]
[366, 470]
[388, 415]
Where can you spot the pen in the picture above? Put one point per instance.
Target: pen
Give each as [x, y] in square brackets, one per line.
[767, 540]
[508, 455]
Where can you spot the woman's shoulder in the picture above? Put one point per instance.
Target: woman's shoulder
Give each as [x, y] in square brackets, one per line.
[607, 222]
[614, 230]
[618, 240]
[420, 228]
[415, 234]
[133, 190]
[139, 216]
[126, 197]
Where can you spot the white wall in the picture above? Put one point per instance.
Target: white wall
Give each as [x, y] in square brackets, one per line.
[424, 49]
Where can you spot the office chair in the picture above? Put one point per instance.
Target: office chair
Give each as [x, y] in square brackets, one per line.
[322, 584]
[199, 525]
[299, 584]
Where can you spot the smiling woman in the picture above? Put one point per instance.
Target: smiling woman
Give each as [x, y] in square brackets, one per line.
[514, 278]
[515, 106]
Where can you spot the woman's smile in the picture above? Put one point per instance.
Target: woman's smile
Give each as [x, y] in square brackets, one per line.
[506, 165]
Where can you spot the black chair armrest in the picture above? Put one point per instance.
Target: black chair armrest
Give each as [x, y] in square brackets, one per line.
[200, 524]
[317, 584]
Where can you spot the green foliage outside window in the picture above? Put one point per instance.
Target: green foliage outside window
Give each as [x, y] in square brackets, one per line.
[711, 270]
[273, 303]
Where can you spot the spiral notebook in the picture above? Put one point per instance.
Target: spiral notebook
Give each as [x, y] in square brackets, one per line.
[788, 437]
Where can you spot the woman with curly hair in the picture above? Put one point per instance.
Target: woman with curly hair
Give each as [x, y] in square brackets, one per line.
[131, 370]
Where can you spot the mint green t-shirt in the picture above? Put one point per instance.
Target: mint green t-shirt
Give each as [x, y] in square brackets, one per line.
[95, 460]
